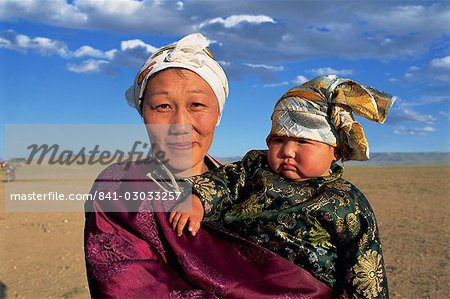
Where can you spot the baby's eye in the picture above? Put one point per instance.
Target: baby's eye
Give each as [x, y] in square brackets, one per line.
[303, 141]
[276, 140]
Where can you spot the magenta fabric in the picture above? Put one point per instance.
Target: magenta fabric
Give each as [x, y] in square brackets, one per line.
[137, 255]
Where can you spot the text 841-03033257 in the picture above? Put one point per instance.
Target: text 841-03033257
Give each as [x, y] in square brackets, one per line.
[136, 195]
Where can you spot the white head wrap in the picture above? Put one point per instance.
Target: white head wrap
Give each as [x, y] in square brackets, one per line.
[191, 52]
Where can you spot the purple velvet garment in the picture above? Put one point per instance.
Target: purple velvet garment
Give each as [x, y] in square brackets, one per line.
[137, 255]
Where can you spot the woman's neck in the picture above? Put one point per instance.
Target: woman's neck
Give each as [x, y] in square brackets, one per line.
[198, 169]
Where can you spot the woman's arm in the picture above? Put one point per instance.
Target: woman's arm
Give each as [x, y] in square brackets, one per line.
[123, 250]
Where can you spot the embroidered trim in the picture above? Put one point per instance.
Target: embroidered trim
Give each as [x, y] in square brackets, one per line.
[146, 225]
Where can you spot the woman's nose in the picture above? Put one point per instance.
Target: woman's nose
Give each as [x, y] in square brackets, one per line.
[181, 122]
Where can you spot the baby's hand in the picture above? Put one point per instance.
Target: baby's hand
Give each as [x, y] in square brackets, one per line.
[183, 213]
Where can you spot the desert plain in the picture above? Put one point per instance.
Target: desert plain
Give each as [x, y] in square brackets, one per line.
[41, 253]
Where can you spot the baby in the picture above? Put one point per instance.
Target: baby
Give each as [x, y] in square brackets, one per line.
[293, 200]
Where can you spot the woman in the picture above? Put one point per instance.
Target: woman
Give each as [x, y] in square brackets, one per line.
[180, 92]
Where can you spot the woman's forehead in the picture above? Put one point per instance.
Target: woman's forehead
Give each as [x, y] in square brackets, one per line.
[164, 82]
[172, 76]
[176, 72]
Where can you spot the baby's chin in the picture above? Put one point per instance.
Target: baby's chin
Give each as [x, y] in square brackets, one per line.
[292, 175]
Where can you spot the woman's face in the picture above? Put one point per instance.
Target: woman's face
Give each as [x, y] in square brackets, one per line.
[184, 110]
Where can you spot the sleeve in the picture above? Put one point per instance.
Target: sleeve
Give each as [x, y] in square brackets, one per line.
[221, 188]
[361, 271]
[120, 262]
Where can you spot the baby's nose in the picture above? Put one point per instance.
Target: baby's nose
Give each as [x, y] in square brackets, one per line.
[288, 150]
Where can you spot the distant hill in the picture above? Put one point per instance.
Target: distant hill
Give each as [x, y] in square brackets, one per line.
[394, 159]
[387, 159]
[376, 159]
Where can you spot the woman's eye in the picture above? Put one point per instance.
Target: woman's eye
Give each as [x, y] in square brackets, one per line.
[197, 105]
[161, 107]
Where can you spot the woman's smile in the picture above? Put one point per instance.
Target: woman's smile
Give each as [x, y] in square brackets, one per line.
[180, 145]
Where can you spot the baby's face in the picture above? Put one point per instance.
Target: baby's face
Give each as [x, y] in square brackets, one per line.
[298, 159]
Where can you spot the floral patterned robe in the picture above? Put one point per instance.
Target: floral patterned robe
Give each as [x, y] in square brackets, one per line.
[324, 225]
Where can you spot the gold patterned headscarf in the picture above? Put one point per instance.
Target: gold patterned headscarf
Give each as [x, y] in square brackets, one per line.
[322, 110]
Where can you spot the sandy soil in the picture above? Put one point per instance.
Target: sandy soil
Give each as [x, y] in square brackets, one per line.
[41, 254]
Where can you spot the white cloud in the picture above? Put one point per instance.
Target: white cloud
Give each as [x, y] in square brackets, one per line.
[287, 37]
[408, 115]
[445, 114]
[131, 53]
[436, 72]
[386, 41]
[409, 18]
[136, 43]
[282, 33]
[423, 100]
[214, 42]
[331, 71]
[12, 40]
[88, 66]
[409, 76]
[300, 79]
[95, 53]
[19, 42]
[441, 63]
[266, 67]
[401, 130]
[276, 84]
[116, 7]
[440, 99]
[180, 5]
[224, 63]
[296, 31]
[413, 68]
[233, 21]
[48, 12]
[159, 17]
[49, 47]
[87, 51]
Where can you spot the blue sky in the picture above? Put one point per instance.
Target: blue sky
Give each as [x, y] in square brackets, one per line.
[70, 62]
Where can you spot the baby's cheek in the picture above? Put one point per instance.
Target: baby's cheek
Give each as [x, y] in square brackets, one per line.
[273, 161]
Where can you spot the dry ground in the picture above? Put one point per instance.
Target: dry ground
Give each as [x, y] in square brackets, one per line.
[41, 254]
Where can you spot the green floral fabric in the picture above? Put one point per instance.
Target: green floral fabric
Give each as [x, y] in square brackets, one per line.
[324, 225]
